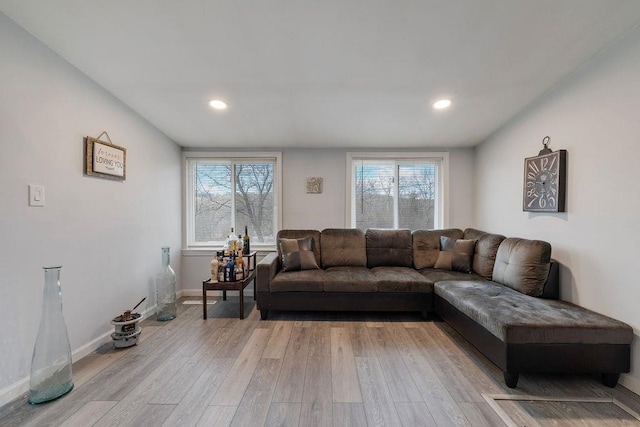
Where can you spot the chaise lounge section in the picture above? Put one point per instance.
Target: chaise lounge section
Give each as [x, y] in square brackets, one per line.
[501, 294]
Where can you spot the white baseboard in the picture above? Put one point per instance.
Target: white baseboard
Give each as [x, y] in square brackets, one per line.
[20, 387]
[13, 391]
[630, 383]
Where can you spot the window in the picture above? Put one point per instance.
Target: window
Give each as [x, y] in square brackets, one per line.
[396, 190]
[234, 191]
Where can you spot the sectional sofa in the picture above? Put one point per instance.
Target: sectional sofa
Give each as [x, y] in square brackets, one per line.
[501, 294]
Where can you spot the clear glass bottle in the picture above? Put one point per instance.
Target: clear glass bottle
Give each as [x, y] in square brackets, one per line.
[166, 289]
[51, 361]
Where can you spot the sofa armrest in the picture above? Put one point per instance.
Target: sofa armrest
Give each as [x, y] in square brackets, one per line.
[268, 267]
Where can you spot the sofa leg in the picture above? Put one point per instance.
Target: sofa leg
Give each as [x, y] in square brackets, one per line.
[264, 314]
[510, 379]
[425, 314]
[610, 380]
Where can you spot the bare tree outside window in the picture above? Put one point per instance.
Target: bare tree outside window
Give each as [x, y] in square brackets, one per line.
[380, 203]
[254, 200]
[417, 191]
[222, 202]
[212, 205]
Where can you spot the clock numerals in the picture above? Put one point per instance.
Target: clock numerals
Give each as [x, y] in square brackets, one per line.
[544, 181]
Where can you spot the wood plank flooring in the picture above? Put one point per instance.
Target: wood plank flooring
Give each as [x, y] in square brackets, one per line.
[307, 369]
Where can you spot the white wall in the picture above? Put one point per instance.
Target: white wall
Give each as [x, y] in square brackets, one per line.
[327, 210]
[106, 234]
[594, 116]
[318, 211]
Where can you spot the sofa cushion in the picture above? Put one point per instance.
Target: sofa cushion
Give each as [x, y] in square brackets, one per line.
[298, 281]
[343, 247]
[297, 254]
[388, 247]
[426, 245]
[350, 279]
[434, 275]
[484, 257]
[297, 234]
[516, 318]
[456, 254]
[523, 265]
[401, 279]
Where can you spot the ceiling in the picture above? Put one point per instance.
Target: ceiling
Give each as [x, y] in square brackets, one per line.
[330, 73]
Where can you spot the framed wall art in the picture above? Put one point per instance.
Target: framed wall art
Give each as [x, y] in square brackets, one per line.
[314, 185]
[105, 159]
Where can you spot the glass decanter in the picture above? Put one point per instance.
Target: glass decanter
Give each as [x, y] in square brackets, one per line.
[166, 289]
[51, 361]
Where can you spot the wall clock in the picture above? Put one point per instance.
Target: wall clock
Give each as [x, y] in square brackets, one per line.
[545, 180]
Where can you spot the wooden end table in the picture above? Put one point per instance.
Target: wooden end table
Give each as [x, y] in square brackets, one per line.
[237, 285]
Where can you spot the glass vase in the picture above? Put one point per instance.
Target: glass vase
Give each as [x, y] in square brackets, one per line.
[51, 361]
[166, 289]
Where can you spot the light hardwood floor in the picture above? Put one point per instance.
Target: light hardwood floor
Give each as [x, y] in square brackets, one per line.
[307, 369]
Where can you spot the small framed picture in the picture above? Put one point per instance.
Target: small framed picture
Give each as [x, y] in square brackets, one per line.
[314, 185]
[105, 160]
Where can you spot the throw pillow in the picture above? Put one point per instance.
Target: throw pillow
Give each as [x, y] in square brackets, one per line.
[456, 254]
[297, 254]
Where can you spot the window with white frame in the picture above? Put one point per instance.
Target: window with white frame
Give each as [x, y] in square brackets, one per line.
[232, 190]
[396, 190]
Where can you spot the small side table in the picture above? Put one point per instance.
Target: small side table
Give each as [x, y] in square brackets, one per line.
[238, 285]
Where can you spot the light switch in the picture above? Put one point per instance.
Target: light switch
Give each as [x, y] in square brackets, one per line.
[36, 195]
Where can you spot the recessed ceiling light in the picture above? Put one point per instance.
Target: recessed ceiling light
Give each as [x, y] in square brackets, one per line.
[442, 104]
[216, 104]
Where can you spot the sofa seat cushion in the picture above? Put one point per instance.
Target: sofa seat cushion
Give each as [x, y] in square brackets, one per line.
[401, 279]
[515, 318]
[350, 279]
[298, 281]
[434, 275]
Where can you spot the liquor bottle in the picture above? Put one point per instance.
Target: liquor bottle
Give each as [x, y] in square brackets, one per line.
[245, 242]
[214, 268]
[231, 242]
[240, 267]
[230, 270]
[221, 266]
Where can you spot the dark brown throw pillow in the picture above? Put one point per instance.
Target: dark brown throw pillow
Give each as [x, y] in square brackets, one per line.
[297, 254]
[456, 254]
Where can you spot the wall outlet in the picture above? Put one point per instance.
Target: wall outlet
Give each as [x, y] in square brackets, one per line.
[36, 195]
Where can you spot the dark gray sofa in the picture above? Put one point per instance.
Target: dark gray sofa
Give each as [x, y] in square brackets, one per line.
[507, 305]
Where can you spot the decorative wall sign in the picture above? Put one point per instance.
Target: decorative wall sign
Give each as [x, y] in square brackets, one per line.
[104, 159]
[545, 180]
[314, 185]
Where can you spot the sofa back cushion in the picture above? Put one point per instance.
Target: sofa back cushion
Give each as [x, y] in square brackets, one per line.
[343, 247]
[388, 248]
[426, 245]
[484, 257]
[299, 234]
[523, 265]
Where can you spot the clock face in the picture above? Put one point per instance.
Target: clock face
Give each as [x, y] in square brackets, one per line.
[544, 182]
